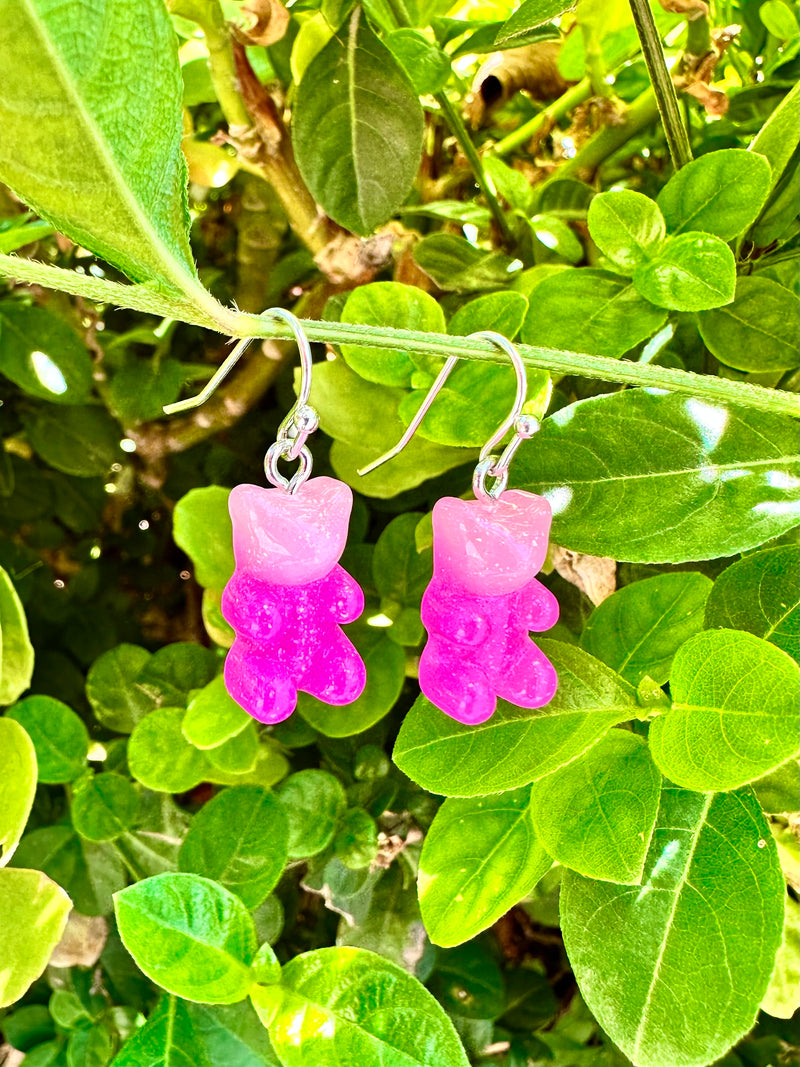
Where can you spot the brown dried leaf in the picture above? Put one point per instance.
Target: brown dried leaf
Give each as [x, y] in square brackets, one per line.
[82, 942]
[692, 9]
[265, 22]
[533, 68]
[596, 576]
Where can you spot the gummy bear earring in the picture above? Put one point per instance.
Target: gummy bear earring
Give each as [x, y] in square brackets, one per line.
[288, 594]
[483, 598]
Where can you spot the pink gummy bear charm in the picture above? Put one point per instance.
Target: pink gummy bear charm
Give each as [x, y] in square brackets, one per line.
[287, 598]
[481, 603]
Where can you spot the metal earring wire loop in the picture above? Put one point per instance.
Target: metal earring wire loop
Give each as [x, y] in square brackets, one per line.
[489, 464]
[301, 421]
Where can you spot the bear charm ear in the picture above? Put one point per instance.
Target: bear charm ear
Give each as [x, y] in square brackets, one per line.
[484, 598]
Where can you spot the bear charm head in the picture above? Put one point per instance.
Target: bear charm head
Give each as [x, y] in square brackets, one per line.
[290, 539]
[491, 547]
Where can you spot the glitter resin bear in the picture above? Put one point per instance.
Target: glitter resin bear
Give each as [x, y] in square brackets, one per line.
[287, 598]
[481, 604]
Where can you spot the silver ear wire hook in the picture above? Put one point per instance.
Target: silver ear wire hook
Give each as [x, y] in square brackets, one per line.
[295, 429]
[489, 464]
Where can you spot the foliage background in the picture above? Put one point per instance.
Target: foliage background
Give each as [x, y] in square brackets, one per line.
[376, 850]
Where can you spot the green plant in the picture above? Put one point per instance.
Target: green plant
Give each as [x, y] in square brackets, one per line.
[609, 880]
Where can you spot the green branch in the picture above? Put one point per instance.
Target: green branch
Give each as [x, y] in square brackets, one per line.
[666, 97]
[557, 361]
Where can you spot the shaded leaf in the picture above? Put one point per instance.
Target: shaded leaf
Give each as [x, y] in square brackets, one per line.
[79, 440]
[42, 355]
[758, 331]
[357, 128]
[314, 801]
[104, 807]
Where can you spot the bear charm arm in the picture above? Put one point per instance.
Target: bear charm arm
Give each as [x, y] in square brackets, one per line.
[535, 607]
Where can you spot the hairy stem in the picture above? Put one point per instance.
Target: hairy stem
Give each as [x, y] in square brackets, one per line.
[558, 361]
[666, 97]
[459, 131]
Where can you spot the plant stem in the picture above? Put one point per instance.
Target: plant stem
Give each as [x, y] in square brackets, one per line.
[666, 97]
[459, 131]
[237, 324]
[557, 110]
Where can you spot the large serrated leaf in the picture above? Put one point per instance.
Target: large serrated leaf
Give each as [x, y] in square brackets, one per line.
[674, 969]
[108, 95]
[357, 128]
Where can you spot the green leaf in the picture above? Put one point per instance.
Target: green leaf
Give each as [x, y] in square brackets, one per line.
[690, 272]
[16, 650]
[653, 477]
[557, 236]
[89, 872]
[529, 15]
[58, 734]
[79, 440]
[42, 355]
[401, 573]
[403, 307]
[779, 790]
[516, 745]
[111, 687]
[201, 526]
[173, 671]
[627, 227]
[104, 807]
[760, 594]
[638, 629]
[212, 716]
[721, 193]
[386, 671]
[140, 389]
[314, 802]
[34, 911]
[698, 937]
[339, 1006]
[117, 184]
[426, 66]
[356, 840]
[735, 714]
[468, 982]
[232, 1034]
[782, 998]
[189, 935]
[779, 136]
[596, 816]
[603, 307]
[357, 129]
[238, 754]
[18, 786]
[239, 839]
[502, 312]
[458, 266]
[347, 404]
[779, 19]
[393, 928]
[161, 758]
[167, 1039]
[479, 859]
[758, 331]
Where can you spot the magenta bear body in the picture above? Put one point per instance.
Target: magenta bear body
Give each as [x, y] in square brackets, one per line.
[481, 604]
[288, 597]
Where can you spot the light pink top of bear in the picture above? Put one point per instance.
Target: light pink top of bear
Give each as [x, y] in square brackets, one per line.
[287, 598]
[481, 604]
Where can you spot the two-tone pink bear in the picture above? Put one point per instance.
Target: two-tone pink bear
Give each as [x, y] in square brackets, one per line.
[288, 598]
[481, 603]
